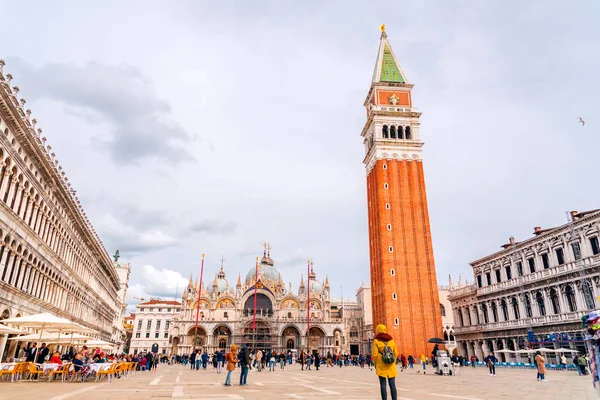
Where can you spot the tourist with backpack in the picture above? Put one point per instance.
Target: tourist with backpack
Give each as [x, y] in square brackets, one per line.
[384, 354]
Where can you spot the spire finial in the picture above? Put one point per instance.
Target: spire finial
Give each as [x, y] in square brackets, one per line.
[222, 261]
[264, 249]
[382, 29]
[269, 250]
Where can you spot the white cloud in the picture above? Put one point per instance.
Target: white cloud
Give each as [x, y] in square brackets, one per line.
[153, 282]
[277, 89]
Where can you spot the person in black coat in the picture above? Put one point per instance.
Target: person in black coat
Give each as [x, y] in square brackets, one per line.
[31, 352]
[244, 357]
[317, 360]
[42, 353]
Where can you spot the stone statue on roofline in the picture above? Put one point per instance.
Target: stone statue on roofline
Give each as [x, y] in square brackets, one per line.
[116, 256]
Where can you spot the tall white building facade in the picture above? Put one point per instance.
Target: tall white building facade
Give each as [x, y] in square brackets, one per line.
[532, 293]
[51, 259]
[152, 326]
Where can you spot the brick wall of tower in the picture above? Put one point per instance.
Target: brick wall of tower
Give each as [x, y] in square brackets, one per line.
[415, 284]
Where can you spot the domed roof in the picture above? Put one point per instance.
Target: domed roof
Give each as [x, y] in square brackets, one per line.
[266, 272]
[315, 286]
[222, 283]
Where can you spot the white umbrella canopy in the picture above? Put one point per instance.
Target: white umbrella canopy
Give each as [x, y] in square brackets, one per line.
[48, 322]
[7, 330]
[525, 351]
[504, 351]
[50, 337]
[566, 351]
[99, 343]
[545, 350]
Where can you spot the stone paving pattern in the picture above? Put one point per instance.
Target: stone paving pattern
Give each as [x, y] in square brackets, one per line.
[178, 382]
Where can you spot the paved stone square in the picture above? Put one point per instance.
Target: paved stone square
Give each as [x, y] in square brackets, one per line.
[178, 382]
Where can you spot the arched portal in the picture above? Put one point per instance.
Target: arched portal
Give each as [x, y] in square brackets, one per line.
[290, 338]
[196, 339]
[222, 336]
[258, 337]
[316, 339]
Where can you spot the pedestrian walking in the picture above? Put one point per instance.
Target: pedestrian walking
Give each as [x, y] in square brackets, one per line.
[423, 364]
[220, 359]
[282, 361]
[491, 361]
[259, 360]
[232, 360]
[317, 360]
[193, 360]
[385, 353]
[582, 364]
[563, 362]
[411, 361]
[244, 358]
[302, 359]
[198, 360]
[540, 361]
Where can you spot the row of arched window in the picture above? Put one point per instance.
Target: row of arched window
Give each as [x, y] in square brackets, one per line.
[536, 299]
[396, 132]
[24, 192]
[24, 270]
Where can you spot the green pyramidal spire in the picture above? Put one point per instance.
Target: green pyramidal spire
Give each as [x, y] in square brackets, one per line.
[389, 69]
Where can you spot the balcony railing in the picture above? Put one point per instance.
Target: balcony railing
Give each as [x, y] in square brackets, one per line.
[523, 323]
[538, 275]
[462, 291]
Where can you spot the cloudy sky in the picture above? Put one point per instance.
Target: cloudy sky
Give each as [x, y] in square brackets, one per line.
[195, 127]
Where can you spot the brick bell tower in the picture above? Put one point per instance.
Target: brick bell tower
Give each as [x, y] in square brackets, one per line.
[404, 285]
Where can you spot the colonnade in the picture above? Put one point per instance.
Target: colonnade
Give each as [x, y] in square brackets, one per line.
[556, 299]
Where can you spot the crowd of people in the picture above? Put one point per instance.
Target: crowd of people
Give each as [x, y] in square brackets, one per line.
[82, 358]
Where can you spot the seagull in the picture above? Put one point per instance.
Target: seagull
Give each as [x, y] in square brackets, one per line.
[581, 121]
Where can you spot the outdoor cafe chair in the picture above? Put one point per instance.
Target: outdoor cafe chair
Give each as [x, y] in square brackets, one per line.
[16, 371]
[34, 370]
[63, 371]
[133, 367]
[107, 372]
[122, 368]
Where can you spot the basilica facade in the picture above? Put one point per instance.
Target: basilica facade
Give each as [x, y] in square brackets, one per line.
[225, 314]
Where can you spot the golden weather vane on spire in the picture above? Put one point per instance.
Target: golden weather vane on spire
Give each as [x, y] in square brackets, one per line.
[382, 28]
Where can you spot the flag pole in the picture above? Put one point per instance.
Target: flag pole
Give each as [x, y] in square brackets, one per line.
[199, 294]
[308, 310]
[254, 320]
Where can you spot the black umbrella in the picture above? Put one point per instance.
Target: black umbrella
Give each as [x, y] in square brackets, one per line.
[436, 340]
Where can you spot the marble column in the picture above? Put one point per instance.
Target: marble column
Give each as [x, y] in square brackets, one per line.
[564, 308]
[3, 339]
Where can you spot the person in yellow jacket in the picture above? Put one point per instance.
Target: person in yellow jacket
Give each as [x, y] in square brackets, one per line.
[423, 363]
[385, 371]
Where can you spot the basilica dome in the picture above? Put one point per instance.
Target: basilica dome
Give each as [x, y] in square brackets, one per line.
[315, 286]
[221, 283]
[266, 272]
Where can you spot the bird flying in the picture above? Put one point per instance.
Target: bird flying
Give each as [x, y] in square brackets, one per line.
[581, 121]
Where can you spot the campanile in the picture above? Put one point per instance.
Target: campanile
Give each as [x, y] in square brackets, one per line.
[404, 285]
